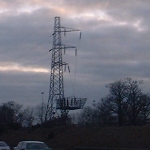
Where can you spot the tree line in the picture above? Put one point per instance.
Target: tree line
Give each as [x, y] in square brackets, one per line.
[15, 116]
[125, 104]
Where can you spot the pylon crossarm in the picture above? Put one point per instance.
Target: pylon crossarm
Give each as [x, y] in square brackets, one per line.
[66, 29]
[67, 47]
[63, 46]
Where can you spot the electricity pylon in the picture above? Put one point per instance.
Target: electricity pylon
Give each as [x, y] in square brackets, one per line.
[56, 98]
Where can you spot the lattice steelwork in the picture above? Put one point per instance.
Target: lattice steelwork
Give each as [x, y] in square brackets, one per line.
[56, 90]
[70, 103]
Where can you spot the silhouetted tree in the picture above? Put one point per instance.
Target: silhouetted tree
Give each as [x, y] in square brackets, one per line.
[86, 116]
[40, 111]
[10, 114]
[105, 115]
[128, 102]
[117, 99]
[29, 117]
[138, 103]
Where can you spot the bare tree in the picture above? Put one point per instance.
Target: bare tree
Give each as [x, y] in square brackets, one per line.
[29, 117]
[128, 102]
[40, 111]
[86, 116]
[138, 103]
[117, 99]
[105, 115]
[144, 112]
[10, 114]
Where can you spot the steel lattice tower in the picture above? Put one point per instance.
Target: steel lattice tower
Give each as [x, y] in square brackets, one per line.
[56, 98]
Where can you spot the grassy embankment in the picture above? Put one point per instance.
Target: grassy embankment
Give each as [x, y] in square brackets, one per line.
[69, 137]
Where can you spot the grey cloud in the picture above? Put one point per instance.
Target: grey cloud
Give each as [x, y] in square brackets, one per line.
[108, 51]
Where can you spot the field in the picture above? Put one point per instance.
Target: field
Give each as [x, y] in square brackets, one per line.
[68, 137]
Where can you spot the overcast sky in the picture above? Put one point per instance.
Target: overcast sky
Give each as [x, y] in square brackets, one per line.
[115, 44]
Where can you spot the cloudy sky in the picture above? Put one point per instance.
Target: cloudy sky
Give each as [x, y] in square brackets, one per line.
[114, 45]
